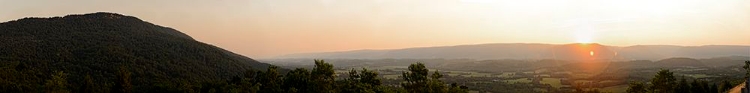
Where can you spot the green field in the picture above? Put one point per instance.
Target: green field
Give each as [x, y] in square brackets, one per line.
[469, 74]
[698, 75]
[520, 80]
[554, 82]
[504, 75]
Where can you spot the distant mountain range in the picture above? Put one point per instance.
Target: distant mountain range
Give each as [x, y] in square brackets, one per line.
[538, 51]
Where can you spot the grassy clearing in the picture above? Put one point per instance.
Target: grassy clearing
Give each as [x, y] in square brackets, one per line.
[554, 82]
[520, 80]
[468, 74]
[504, 75]
[698, 75]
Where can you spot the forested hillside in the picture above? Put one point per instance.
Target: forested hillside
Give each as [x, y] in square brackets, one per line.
[96, 47]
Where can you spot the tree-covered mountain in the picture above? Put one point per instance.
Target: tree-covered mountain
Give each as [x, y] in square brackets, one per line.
[99, 44]
[538, 51]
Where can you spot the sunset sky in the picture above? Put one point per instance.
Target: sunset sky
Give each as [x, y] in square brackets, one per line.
[267, 28]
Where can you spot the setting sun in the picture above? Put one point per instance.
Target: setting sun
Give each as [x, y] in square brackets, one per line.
[584, 36]
[583, 40]
[591, 53]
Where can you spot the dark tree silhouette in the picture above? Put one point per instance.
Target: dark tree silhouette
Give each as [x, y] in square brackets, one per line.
[297, 80]
[747, 69]
[725, 86]
[323, 77]
[270, 81]
[683, 86]
[637, 87]
[364, 81]
[417, 80]
[663, 82]
[435, 84]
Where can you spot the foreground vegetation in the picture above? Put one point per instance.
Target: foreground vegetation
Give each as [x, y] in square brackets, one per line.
[545, 76]
[321, 79]
[666, 82]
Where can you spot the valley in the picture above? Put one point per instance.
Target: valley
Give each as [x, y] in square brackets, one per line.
[533, 76]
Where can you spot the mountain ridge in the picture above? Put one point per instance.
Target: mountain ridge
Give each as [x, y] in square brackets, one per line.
[533, 51]
[100, 16]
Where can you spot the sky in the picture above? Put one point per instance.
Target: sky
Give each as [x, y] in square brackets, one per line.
[268, 28]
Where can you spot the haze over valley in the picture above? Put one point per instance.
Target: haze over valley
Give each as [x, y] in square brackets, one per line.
[537, 52]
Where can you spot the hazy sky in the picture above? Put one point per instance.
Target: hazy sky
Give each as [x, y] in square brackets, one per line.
[266, 28]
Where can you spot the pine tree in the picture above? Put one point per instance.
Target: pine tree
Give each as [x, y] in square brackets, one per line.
[323, 77]
[663, 82]
[416, 78]
[436, 85]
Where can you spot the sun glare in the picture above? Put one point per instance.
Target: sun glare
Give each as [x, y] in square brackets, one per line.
[591, 53]
[583, 40]
[583, 36]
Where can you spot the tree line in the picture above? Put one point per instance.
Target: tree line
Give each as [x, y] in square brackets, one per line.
[665, 82]
[320, 79]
